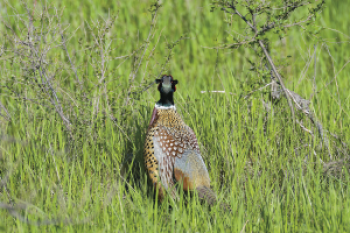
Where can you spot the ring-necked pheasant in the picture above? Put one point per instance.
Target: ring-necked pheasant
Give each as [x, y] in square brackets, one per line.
[171, 150]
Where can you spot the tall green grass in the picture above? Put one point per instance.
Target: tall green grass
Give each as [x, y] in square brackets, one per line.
[93, 180]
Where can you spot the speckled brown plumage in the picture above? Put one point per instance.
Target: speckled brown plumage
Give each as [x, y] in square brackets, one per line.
[174, 138]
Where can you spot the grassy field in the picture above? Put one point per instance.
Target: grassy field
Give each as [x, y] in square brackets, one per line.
[99, 56]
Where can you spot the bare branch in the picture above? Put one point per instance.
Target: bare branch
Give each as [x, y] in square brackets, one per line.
[69, 58]
[273, 25]
[279, 77]
[304, 128]
[269, 59]
[8, 116]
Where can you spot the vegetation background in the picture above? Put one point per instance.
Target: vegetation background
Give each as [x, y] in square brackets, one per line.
[75, 108]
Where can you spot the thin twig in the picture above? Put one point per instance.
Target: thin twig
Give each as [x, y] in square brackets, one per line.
[217, 92]
[69, 58]
[259, 89]
[278, 77]
[315, 87]
[8, 116]
[304, 128]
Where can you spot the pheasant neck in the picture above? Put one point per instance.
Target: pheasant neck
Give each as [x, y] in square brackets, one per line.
[166, 99]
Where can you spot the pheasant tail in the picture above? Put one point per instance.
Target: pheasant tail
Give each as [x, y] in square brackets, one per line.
[209, 196]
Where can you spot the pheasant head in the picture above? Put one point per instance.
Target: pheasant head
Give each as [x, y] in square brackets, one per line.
[166, 87]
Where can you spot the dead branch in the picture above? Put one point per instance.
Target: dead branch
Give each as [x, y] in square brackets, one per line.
[7, 116]
[300, 103]
[268, 57]
[69, 58]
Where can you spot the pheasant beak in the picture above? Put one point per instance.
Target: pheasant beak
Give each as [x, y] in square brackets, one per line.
[166, 84]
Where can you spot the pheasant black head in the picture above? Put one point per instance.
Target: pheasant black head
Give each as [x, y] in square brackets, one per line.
[166, 88]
